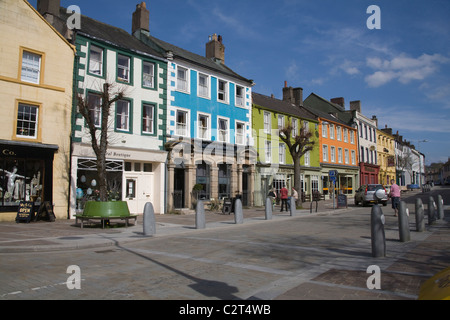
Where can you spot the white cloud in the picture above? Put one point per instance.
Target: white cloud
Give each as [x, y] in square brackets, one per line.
[403, 68]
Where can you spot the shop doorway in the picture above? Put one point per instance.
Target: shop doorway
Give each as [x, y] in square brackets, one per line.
[178, 189]
[138, 191]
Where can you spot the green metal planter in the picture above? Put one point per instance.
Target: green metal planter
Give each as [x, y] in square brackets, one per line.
[111, 209]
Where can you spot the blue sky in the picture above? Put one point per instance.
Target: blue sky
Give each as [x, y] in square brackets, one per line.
[401, 72]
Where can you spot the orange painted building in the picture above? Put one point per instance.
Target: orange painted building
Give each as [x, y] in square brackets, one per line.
[338, 147]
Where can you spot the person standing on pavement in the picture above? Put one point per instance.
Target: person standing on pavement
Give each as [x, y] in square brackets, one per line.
[394, 194]
[284, 198]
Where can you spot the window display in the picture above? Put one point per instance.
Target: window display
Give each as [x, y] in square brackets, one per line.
[21, 180]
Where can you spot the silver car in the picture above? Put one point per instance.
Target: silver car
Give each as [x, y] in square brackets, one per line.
[366, 194]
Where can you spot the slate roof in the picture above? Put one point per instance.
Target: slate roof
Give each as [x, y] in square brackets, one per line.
[111, 35]
[193, 57]
[323, 109]
[281, 106]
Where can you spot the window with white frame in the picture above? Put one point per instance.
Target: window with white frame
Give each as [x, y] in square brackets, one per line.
[333, 154]
[123, 115]
[294, 128]
[280, 122]
[240, 96]
[223, 129]
[203, 126]
[182, 79]
[353, 157]
[123, 68]
[282, 153]
[31, 67]
[308, 158]
[181, 128]
[347, 160]
[268, 151]
[96, 60]
[148, 74]
[345, 135]
[339, 133]
[147, 118]
[240, 133]
[27, 121]
[331, 131]
[324, 130]
[340, 155]
[222, 92]
[325, 153]
[95, 110]
[306, 126]
[352, 137]
[267, 122]
[203, 85]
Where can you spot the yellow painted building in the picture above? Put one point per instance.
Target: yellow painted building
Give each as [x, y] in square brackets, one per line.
[36, 74]
[386, 156]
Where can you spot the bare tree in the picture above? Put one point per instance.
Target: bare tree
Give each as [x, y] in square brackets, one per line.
[298, 147]
[99, 135]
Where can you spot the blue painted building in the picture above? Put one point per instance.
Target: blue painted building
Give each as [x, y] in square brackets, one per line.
[209, 129]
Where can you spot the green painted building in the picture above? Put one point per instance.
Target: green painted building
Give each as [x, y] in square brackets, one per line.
[274, 166]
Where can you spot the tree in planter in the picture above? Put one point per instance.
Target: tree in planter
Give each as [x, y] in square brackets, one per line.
[298, 147]
[99, 135]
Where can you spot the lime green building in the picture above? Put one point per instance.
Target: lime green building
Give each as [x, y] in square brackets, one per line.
[274, 167]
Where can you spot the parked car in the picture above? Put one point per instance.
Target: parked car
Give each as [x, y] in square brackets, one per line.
[412, 186]
[366, 194]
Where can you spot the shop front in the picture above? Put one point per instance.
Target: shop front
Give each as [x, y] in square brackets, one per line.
[369, 173]
[134, 176]
[26, 174]
[345, 182]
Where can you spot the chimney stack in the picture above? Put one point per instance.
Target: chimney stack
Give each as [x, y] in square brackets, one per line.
[141, 19]
[339, 101]
[48, 7]
[215, 49]
[355, 106]
[293, 95]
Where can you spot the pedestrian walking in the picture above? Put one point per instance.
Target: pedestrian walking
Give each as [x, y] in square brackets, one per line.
[284, 198]
[273, 195]
[394, 194]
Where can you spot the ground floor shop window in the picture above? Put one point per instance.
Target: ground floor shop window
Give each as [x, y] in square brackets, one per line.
[21, 180]
[203, 179]
[87, 181]
[345, 185]
[224, 180]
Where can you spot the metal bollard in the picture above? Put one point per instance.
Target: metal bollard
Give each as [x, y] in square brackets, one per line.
[420, 221]
[403, 222]
[200, 222]
[149, 220]
[293, 207]
[269, 205]
[440, 207]
[377, 232]
[431, 211]
[238, 215]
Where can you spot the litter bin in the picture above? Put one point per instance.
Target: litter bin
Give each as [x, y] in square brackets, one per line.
[227, 203]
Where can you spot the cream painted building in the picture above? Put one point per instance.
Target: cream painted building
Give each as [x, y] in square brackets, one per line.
[386, 155]
[36, 77]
